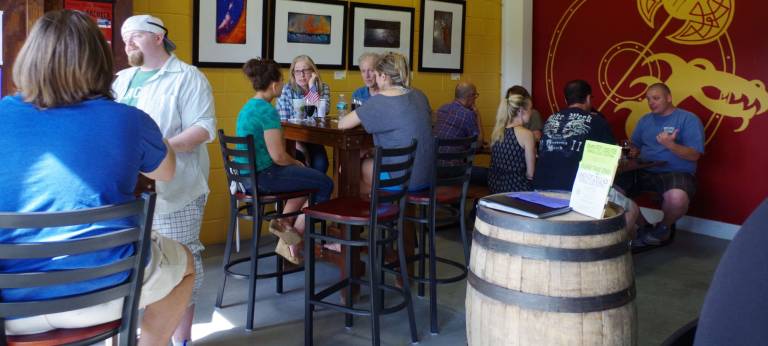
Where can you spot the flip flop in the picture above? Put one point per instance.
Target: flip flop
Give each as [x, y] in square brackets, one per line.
[282, 249]
[285, 233]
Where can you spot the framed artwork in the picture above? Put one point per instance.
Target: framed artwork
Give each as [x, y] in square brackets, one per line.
[441, 48]
[380, 29]
[316, 28]
[227, 33]
[100, 10]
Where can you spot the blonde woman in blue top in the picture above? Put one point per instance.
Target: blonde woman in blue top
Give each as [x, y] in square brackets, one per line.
[277, 170]
[305, 83]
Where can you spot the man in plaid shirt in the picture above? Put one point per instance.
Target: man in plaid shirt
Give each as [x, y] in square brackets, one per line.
[460, 118]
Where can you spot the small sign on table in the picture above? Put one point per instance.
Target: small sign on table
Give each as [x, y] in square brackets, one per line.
[594, 178]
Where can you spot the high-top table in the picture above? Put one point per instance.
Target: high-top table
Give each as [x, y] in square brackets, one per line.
[346, 143]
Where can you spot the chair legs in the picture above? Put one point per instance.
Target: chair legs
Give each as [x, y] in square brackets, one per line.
[227, 255]
[348, 319]
[309, 280]
[432, 272]
[375, 282]
[422, 239]
[254, 257]
[427, 252]
[463, 230]
[373, 268]
[406, 286]
[255, 239]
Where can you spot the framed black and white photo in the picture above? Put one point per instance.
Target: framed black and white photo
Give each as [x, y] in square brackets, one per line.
[441, 48]
[227, 33]
[380, 29]
[316, 28]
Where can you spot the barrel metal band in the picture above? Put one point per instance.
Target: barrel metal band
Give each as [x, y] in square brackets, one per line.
[539, 302]
[550, 226]
[550, 253]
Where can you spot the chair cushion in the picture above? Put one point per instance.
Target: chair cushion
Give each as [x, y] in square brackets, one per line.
[445, 194]
[350, 210]
[61, 336]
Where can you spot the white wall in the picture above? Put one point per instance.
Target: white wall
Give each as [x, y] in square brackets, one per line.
[516, 44]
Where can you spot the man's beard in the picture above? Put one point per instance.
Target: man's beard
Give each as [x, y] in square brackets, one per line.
[136, 58]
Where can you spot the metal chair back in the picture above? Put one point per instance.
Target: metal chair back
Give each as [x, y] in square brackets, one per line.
[139, 236]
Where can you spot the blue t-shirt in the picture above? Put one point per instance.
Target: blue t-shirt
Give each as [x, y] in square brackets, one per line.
[361, 94]
[67, 158]
[691, 134]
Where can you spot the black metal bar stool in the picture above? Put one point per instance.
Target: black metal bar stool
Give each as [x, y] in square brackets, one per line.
[240, 166]
[383, 214]
[450, 182]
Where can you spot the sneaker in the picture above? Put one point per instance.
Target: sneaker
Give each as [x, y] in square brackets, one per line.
[657, 235]
[638, 242]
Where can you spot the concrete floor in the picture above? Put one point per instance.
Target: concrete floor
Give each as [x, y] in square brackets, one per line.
[671, 285]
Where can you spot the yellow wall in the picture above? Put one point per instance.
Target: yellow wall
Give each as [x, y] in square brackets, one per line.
[482, 66]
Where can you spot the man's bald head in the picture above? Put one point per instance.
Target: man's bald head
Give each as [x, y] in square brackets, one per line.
[661, 87]
[465, 90]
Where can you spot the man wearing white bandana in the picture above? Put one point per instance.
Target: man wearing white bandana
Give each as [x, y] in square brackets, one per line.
[179, 98]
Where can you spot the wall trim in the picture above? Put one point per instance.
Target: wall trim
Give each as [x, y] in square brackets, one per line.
[697, 225]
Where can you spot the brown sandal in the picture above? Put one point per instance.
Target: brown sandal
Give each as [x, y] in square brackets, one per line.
[282, 249]
[285, 233]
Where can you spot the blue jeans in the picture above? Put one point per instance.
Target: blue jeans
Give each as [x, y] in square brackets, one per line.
[318, 158]
[277, 179]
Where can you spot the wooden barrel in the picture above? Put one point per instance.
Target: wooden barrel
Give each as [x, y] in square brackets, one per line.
[564, 280]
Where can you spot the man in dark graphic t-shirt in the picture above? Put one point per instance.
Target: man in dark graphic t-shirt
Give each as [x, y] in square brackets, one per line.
[564, 136]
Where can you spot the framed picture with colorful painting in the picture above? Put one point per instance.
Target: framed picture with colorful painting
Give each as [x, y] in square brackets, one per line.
[441, 48]
[316, 28]
[380, 29]
[227, 33]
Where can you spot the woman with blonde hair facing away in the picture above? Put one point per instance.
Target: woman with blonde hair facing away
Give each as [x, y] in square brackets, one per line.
[513, 147]
[395, 116]
[276, 170]
[305, 84]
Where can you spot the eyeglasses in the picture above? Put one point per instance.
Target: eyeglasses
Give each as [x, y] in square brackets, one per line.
[304, 72]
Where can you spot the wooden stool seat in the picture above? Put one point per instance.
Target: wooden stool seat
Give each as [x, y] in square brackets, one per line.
[445, 195]
[351, 210]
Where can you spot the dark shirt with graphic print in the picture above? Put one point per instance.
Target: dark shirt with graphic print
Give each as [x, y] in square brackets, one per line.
[562, 145]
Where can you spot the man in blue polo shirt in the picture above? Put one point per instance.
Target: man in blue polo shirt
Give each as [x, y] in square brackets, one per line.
[666, 134]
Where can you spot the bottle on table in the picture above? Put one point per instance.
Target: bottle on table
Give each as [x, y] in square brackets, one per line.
[341, 105]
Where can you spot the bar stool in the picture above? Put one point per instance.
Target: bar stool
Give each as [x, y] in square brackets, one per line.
[383, 214]
[450, 182]
[240, 166]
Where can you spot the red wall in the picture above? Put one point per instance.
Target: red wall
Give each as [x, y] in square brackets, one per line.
[572, 38]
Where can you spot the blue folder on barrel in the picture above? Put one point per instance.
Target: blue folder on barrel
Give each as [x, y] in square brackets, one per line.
[530, 204]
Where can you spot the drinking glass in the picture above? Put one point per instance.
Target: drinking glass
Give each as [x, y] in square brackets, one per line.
[298, 109]
[625, 146]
